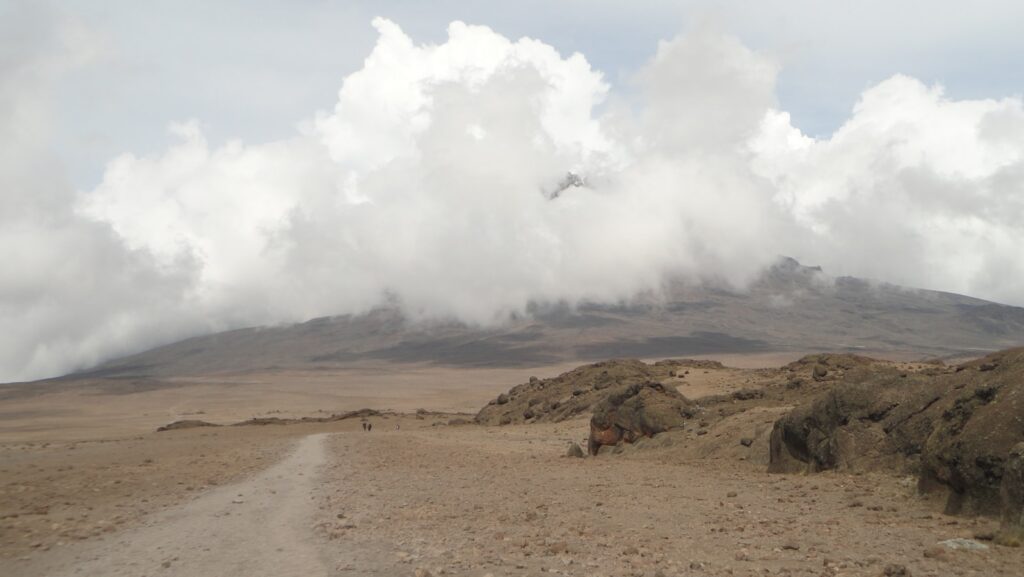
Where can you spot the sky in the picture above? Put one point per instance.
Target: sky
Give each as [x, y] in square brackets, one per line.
[170, 169]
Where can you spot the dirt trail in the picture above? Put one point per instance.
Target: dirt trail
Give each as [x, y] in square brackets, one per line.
[261, 526]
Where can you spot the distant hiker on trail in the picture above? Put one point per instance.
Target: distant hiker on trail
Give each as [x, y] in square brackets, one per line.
[364, 425]
[369, 426]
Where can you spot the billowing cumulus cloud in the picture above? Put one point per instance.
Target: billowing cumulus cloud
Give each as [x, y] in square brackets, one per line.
[434, 182]
[71, 292]
[914, 188]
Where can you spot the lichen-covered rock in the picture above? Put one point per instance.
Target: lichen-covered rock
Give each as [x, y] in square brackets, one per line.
[955, 428]
[636, 411]
[873, 419]
[980, 421]
[1012, 492]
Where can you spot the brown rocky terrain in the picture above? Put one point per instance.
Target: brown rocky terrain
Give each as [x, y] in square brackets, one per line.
[951, 427]
[431, 492]
[578, 391]
[954, 428]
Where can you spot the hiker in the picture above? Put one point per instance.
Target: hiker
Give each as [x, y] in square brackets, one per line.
[369, 426]
[364, 425]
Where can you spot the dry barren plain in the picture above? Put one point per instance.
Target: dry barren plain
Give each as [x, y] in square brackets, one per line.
[88, 488]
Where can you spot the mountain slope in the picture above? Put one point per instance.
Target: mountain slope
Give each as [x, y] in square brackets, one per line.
[792, 307]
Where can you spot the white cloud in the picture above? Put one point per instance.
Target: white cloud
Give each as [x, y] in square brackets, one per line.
[429, 182]
[914, 188]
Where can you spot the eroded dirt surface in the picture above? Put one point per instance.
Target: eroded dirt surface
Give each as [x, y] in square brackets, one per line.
[503, 501]
[470, 500]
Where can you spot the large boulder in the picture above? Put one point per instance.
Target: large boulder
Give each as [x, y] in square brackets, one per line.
[636, 411]
[955, 428]
[1013, 497]
[980, 423]
[873, 419]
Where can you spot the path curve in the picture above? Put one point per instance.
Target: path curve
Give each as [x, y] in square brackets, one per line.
[260, 526]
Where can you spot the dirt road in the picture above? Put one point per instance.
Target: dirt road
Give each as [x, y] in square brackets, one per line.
[261, 526]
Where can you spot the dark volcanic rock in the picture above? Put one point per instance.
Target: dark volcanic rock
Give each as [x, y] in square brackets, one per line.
[954, 428]
[635, 411]
[1013, 495]
[979, 423]
[873, 419]
[185, 424]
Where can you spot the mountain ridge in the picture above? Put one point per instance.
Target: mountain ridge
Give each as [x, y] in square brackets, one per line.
[790, 307]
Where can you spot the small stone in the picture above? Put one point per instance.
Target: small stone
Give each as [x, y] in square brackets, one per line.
[896, 570]
[575, 451]
[935, 553]
[558, 548]
[421, 572]
[746, 441]
[731, 494]
[963, 544]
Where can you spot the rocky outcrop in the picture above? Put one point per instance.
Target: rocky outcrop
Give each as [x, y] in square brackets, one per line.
[636, 411]
[575, 393]
[979, 424]
[954, 427]
[877, 419]
[1012, 492]
[829, 366]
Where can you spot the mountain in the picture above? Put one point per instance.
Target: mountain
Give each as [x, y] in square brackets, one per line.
[790, 308]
